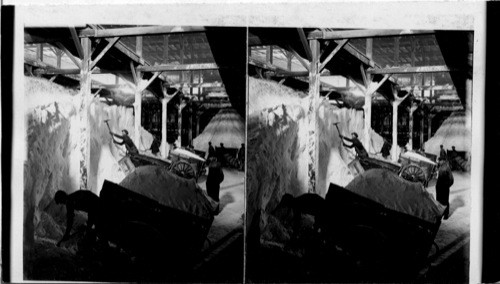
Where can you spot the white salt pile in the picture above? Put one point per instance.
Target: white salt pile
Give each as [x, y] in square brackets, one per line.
[278, 147]
[453, 132]
[226, 127]
[53, 150]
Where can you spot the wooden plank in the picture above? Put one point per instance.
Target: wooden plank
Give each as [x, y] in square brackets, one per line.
[137, 111]
[369, 48]
[178, 67]
[396, 51]
[56, 71]
[299, 58]
[134, 74]
[358, 54]
[165, 49]
[269, 54]
[76, 41]
[39, 52]
[363, 75]
[343, 34]
[138, 46]
[63, 48]
[314, 89]
[339, 46]
[140, 31]
[411, 70]
[305, 43]
[279, 71]
[110, 44]
[85, 89]
[289, 61]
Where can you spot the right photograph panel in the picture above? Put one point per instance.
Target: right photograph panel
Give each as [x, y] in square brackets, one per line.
[359, 153]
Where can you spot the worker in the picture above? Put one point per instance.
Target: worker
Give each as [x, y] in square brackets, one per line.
[211, 151]
[214, 179]
[221, 154]
[129, 144]
[443, 184]
[81, 200]
[386, 149]
[241, 154]
[442, 153]
[356, 144]
[307, 203]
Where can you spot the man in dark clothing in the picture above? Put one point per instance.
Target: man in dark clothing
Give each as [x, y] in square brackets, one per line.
[129, 144]
[444, 182]
[307, 203]
[81, 200]
[211, 151]
[214, 179]
[442, 153]
[358, 146]
[386, 149]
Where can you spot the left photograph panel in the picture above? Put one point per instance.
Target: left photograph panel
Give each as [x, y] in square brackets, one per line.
[135, 153]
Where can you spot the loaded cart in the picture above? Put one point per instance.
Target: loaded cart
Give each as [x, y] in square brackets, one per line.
[153, 210]
[187, 164]
[383, 222]
[412, 166]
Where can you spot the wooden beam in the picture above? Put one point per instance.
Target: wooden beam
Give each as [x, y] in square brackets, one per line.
[139, 31]
[178, 67]
[57, 71]
[134, 74]
[279, 71]
[63, 48]
[85, 89]
[327, 34]
[76, 41]
[314, 88]
[138, 46]
[143, 87]
[396, 51]
[358, 54]
[411, 70]
[110, 44]
[363, 75]
[269, 54]
[339, 46]
[165, 49]
[39, 52]
[299, 58]
[305, 43]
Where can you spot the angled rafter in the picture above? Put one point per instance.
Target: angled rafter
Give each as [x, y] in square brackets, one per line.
[110, 44]
[279, 71]
[411, 70]
[76, 40]
[134, 74]
[63, 48]
[339, 46]
[305, 43]
[299, 58]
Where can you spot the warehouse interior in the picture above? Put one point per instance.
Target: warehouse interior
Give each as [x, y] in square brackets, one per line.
[404, 93]
[174, 89]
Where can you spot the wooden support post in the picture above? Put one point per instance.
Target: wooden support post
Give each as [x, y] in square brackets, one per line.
[422, 126]
[165, 49]
[197, 124]
[429, 126]
[411, 110]
[179, 121]
[182, 57]
[76, 41]
[138, 113]
[314, 88]
[85, 89]
[269, 54]
[305, 44]
[164, 144]
[367, 78]
[300, 59]
[369, 48]
[289, 61]
[396, 51]
[395, 104]
[63, 48]
[339, 46]
[58, 59]
[468, 83]
[39, 52]
[190, 124]
[138, 46]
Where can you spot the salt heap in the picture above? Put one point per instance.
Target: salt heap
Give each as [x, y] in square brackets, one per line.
[53, 152]
[226, 127]
[278, 148]
[453, 132]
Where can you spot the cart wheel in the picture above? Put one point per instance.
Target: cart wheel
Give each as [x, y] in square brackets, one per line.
[413, 173]
[183, 169]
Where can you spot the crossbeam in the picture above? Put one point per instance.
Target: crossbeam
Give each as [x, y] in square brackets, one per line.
[178, 67]
[279, 71]
[345, 34]
[339, 46]
[411, 70]
[65, 50]
[305, 43]
[110, 44]
[76, 41]
[139, 31]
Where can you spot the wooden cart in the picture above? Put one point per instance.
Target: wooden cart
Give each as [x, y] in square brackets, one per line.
[187, 164]
[410, 168]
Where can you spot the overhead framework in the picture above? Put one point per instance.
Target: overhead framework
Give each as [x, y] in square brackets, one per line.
[152, 58]
[395, 65]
